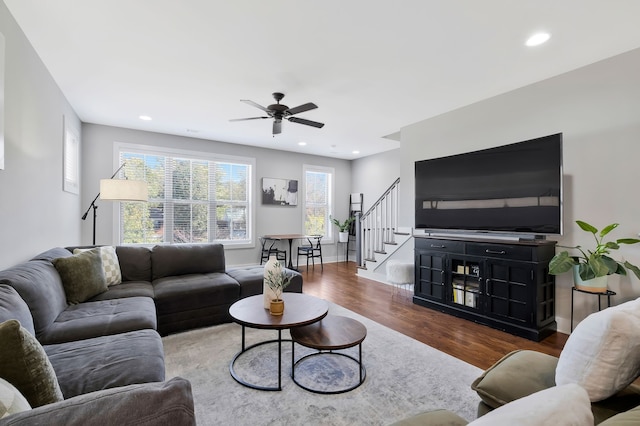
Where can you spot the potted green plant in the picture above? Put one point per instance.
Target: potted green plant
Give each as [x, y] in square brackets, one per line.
[277, 280]
[591, 268]
[343, 234]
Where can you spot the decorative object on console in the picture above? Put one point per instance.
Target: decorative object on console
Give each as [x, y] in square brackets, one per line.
[343, 227]
[277, 280]
[592, 268]
[117, 190]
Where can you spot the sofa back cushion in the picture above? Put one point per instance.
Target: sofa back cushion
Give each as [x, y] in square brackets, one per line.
[183, 259]
[135, 263]
[39, 285]
[13, 307]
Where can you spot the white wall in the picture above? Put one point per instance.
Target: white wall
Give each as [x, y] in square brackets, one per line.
[98, 162]
[596, 108]
[374, 174]
[35, 214]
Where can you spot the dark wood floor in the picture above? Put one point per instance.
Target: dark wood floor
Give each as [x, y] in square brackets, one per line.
[476, 344]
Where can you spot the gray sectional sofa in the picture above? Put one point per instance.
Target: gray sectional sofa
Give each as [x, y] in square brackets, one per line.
[112, 340]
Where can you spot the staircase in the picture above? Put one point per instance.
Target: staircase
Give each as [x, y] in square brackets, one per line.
[379, 238]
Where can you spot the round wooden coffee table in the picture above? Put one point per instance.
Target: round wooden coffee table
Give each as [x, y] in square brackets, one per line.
[327, 335]
[299, 310]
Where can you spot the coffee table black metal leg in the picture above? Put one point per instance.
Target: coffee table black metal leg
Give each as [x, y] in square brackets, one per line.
[238, 379]
[279, 359]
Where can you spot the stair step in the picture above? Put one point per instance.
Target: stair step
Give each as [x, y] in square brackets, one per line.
[402, 233]
[362, 267]
[391, 243]
[380, 251]
[370, 260]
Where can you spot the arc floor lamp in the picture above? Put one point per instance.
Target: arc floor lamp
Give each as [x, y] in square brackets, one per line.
[117, 190]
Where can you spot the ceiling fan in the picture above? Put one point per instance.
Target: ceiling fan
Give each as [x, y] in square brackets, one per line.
[280, 111]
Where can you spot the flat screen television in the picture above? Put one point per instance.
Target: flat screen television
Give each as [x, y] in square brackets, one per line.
[512, 189]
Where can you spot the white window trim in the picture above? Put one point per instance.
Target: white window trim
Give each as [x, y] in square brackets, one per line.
[330, 237]
[197, 155]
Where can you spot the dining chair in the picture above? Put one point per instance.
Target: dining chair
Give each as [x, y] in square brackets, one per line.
[269, 248]
[311, 251]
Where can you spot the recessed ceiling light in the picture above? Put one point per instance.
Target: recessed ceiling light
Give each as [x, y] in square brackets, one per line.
[537, 39]
[145, 118]
[302, 143]
[355, 152]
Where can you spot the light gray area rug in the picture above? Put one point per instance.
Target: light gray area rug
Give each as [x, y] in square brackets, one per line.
[403, 377]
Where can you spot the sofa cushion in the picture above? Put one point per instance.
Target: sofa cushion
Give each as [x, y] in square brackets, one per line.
[101, 318]
[108, 361]
[40, 286]
[82, 275]
[566, 405]
[166, 403]
[126, 289]
[110, 264]
[25, 365]
[51, 254]
[13, 307]
[628, 418]
[183, 259]
[186, 292]
[11, 400]
[135, 263]
[251, 280]
[602, 354]
[516, 375]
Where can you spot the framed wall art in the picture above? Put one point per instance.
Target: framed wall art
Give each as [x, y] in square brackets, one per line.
[71, 158]
[280, 192]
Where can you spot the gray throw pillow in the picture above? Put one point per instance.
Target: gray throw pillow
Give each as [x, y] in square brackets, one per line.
[82, 275]
[25, 365]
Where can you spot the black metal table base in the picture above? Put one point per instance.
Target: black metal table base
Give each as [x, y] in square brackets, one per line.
[294, 363]
[244, 350]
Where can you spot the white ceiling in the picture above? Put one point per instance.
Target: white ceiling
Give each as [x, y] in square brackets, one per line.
[371, 66]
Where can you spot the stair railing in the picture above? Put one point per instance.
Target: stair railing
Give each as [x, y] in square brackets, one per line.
[378, 225]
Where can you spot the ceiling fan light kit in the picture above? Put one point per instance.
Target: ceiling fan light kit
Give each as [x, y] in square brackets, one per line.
[280, 111]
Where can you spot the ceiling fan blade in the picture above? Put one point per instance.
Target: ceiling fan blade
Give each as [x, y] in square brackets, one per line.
[245, 119]
[247, 101]
[302, 108]
[277, 127]
[306, 122]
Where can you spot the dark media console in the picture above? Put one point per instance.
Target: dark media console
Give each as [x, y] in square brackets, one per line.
[503, 284]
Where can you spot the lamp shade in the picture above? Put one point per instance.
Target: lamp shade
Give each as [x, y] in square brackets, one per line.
[123, 190]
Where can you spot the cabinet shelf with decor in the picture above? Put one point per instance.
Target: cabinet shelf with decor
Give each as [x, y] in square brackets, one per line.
[505, 285]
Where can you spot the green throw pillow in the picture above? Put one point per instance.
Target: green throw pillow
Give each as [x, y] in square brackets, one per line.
[82, 275]
[25, 365]
[11, 400]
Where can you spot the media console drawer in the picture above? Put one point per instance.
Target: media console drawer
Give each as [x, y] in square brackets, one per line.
[505, 251]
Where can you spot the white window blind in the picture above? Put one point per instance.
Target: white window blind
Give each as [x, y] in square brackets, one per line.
[318, 185]
[191, 199]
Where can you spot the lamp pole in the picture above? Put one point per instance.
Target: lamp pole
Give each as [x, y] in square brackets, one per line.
[95, 207]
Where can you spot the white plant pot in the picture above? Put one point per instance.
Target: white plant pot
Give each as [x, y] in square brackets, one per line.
[595, 285]
[343, 237]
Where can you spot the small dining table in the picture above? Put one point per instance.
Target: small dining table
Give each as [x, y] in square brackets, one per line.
[290, 238]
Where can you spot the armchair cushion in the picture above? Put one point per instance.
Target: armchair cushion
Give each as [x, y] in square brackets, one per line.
[603, 352]
[518, 374]
[566, 405]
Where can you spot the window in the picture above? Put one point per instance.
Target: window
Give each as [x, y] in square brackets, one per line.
[318, 193]
[193, 197]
